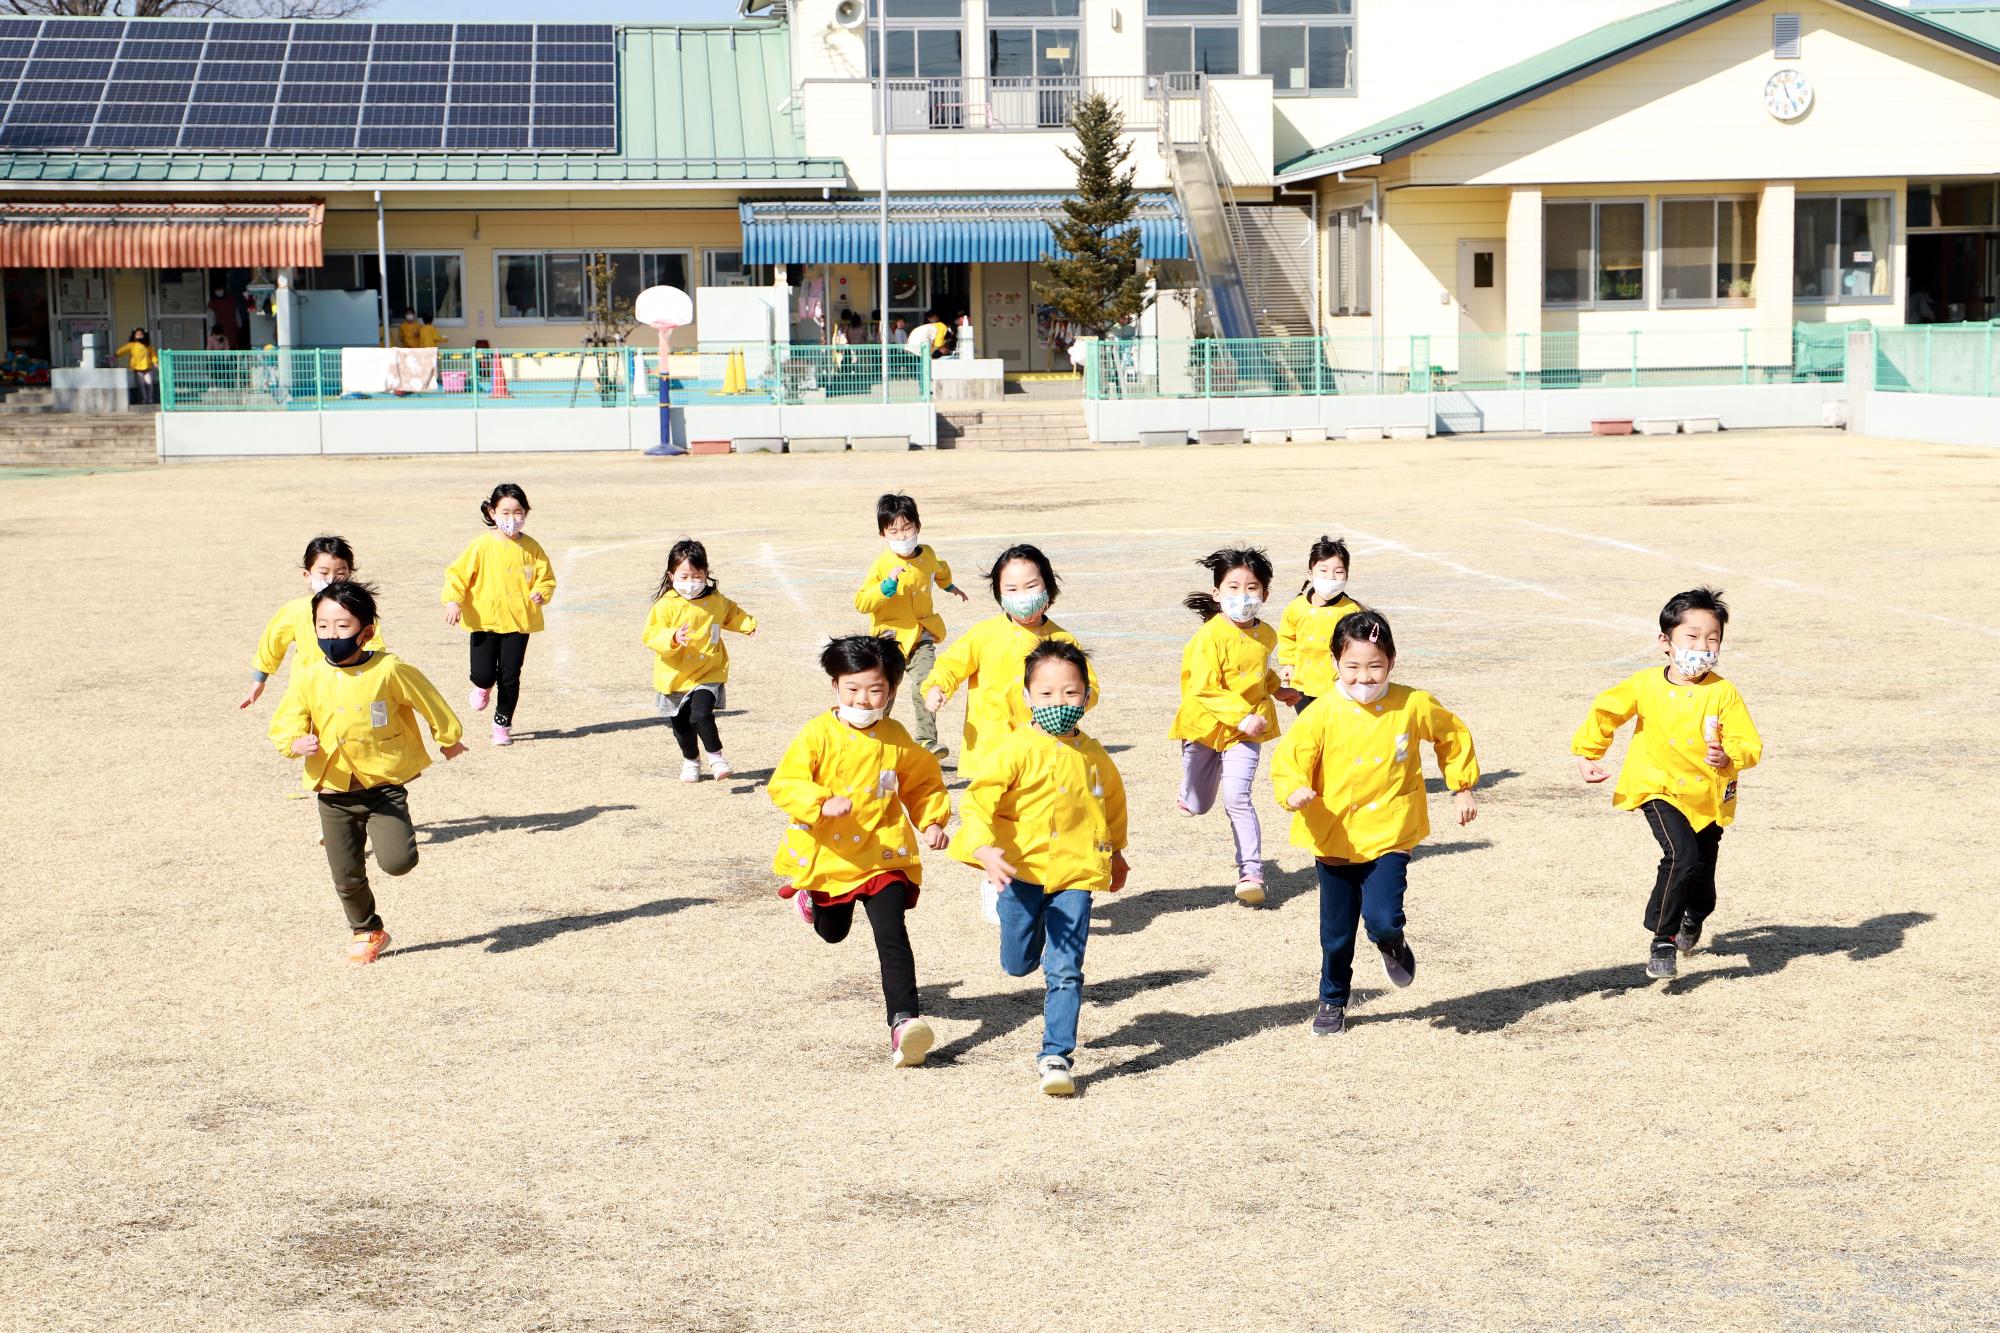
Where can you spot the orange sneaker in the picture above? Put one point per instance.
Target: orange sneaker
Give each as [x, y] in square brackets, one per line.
[367, 946]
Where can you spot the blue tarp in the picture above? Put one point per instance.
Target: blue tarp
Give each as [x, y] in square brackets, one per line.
[934, 229]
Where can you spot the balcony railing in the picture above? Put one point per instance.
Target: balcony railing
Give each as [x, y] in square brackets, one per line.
[921, 106]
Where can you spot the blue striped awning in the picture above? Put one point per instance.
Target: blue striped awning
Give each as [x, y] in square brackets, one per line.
[934, 229]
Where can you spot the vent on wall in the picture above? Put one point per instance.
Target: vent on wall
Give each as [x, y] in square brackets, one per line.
[1785, 36]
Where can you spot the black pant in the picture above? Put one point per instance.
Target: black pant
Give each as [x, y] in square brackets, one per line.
[1305, 702]
[1684, 890]
[498, 657]
[885, 910]
[696, 718]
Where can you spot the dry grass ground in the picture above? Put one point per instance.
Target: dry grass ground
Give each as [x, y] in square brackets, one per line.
[608, 1081]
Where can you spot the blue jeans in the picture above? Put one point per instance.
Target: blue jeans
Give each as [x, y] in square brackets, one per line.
[1368, 893]
[1048, 930]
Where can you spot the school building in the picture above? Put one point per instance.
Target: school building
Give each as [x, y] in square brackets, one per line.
[1504, 183]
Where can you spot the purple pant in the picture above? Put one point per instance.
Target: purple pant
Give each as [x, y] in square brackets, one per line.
[1234, 771]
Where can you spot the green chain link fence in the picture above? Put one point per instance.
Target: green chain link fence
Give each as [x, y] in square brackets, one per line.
[1939, 358]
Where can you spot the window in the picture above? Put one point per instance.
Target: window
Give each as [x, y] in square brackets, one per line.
[555, 288]
[431, 283]
[1840, 248]
[724, 268]
[1307, 46]
[632, 273]
[1594, 253]
[1034, 53]
[1708, 251]
[1199, 36]
[1350, 240]
[1952, 204]
[925, 38]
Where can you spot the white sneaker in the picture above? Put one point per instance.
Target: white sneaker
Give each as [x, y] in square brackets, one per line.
[989, 901]
[718, 767]
[909, 1042]
[1057, 1081]
[1250, 892]
[690, 771]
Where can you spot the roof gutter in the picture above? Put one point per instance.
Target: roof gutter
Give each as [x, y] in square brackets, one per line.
[1330, 169]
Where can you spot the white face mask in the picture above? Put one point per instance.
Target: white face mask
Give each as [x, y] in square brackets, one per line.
[1241, 607]
[317, 582]
[692, 589]
[903, 546]
[509, 525]
[1328, 589]
[854, 715]
[1694, 663]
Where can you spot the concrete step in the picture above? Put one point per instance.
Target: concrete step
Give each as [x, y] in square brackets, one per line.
[113, 439]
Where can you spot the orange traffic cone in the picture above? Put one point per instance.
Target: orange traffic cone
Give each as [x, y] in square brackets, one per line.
[499, 389]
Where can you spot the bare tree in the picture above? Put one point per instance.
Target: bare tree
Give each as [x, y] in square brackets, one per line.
[189, 9]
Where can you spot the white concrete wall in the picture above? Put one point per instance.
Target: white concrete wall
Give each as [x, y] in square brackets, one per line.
[237, 434]
[1120, 420]
[1932, 418]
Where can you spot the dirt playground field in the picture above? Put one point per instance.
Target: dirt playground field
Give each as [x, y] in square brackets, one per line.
[606, 1079]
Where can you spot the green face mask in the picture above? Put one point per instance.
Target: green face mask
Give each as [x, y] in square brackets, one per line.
[1058, 719]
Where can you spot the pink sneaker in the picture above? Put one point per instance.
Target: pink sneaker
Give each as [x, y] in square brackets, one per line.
[479, 697]
[502, 735]
[804, 902]
[1182, 807]
[1250, 892]
[910, 1040]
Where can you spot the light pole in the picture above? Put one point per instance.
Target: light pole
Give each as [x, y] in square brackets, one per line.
[882, 186]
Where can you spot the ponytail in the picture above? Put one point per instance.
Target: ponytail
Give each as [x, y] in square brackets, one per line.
[505, 490]
[1218, 564]
[1322, 549]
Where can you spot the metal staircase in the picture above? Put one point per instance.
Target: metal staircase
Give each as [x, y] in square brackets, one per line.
[1215, 231]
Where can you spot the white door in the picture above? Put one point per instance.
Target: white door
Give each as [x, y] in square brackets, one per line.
[1482, 313]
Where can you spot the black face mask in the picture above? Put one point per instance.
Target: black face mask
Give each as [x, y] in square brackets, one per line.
[339, 650]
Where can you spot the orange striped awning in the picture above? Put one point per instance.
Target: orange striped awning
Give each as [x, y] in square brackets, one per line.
[237, 234]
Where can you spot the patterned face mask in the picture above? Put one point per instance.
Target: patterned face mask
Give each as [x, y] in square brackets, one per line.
[1694, 663]
[1058, 719]
[509, 525]
[1241, 607]
[1025, 605]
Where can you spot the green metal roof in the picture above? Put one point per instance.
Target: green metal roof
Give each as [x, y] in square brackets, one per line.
[1974, 30]
[697, 102]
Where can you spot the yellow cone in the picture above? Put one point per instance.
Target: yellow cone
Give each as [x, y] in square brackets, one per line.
[734, 379]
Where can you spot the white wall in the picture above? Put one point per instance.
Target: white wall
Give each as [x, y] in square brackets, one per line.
[1932, 418]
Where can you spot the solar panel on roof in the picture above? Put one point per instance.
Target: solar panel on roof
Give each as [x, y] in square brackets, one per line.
[92, 83]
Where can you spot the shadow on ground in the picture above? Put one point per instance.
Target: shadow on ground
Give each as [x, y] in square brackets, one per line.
[1167, 1038]
[1762, 950]
[451, 830]
[1008, 1012]
[527, 934]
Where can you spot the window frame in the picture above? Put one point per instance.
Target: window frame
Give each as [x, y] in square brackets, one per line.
[1031, 26]
[405, 258]
[917, 26]
[1362, 249]
[1307, 22]
[1190, 23]
[1646, 248]
[1886, 251]
[1715, 251]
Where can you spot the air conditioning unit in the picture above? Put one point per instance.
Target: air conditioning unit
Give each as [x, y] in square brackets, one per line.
[850, 14]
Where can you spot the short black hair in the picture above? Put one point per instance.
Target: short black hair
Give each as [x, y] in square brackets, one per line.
[889, 508]
[358, 598]
[328, 544]
[1033, 555]
[1703, 598]
[1055, 650]
[506, 490]
[1372, 626]
[1218, 564]
[855, 653]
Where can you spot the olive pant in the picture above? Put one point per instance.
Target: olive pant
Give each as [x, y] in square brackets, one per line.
[350, 820]
[922, 658]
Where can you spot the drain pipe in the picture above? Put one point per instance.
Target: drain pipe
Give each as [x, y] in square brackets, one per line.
[382, 265]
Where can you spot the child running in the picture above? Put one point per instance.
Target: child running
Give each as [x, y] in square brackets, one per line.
[351, 713]
[1044, 818]
[1351, 773]
[1226, 714]
[988, 660]
[896, 597]
[1306, 628]
[497, 588]
[851, 782]
[691, 676]
[328, 559]
[1693, 738]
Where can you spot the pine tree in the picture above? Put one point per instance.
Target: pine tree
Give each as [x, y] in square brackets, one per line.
[1097, 285]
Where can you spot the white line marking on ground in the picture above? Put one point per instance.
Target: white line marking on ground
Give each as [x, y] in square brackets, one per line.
[767, 560]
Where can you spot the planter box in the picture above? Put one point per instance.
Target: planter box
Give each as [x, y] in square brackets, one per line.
[1308, 435]
[708, 447]
[758, 444]
[1409, 432]
[1703, 425]
[817, 444]
[1611, 426]
[1658, 425]
[1270, 436]
[1218, 436]
[1153, 439]
[1366, 432]
[882, 444]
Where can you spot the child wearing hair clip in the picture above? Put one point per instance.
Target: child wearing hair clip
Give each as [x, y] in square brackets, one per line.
[497, 588]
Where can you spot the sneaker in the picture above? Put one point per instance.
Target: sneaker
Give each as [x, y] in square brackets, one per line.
[1660, 963]
[718, 767]
[1688, 937]
[502, 735]
[1057, 1081]
[1330, 1021]
[690, 770]
[1182, 807]
[910, 1040]
[939, 749]
[1399, 962]
[989, 902]
[1250, 892]
[804, 902]
[367, 946]
[478, 699]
